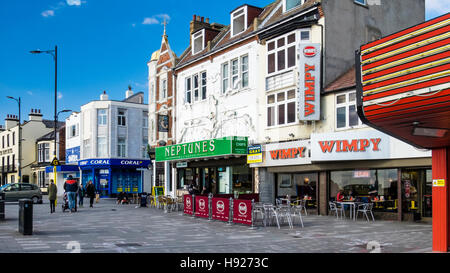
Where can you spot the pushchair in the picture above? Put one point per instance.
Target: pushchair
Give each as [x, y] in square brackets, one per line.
[65, 205]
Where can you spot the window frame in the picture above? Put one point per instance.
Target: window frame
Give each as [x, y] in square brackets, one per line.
[99, 145]
[122, 118]
[195, 36]
[276, 107]
[235, 75]
[285, 47]
[358, 2]
[102, 119]
[201, 89]
[347, 104]
[241, 12]
[163, 89]
[121, 147]
[188, 91]
[285, 4]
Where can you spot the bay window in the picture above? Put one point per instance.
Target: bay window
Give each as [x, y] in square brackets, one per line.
[102, 149]
[102, 117]
[121, 147]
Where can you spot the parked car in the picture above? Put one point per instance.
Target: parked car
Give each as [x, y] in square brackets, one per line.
[15, 192]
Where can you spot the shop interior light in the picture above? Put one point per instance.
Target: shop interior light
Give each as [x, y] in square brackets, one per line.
[430, 132]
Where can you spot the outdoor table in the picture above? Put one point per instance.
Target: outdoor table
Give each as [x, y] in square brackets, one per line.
[352, 205]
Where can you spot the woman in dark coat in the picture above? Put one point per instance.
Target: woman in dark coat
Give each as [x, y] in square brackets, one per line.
[90, 192]
[52, 195]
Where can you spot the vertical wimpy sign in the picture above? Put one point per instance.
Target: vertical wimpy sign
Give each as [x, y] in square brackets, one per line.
[309, 88]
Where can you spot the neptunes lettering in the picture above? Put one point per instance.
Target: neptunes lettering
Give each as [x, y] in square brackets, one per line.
[191, 148]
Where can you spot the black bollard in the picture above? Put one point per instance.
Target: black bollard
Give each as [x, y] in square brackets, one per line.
[26, 216]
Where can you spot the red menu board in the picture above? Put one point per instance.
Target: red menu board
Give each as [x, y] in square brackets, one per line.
[188, 204]
[201, 206]
[221, 209]
[242, 212]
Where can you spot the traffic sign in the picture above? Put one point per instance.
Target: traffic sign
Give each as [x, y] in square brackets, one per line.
[55, 162]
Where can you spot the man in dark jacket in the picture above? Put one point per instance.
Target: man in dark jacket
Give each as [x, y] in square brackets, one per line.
[71, 188]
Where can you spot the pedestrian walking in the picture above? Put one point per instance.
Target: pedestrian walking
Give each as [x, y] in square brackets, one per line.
[81, 195]
[71, 188]
[90, 192]
[52, 195]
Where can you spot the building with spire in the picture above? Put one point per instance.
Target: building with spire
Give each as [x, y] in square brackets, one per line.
[161, 111]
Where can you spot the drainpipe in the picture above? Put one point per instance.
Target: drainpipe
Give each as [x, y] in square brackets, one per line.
[174, 132]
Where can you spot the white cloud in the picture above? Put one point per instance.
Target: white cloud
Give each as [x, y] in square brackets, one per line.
[150, 21]
[30, 93]
[73, 2]
[61, 5]
[156, 19]
[438, 6]
[164, 16]
[60, 95]
[48, 13]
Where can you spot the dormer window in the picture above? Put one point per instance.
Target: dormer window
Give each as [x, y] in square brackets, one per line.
[238, 21]
[290, 4]
[198, 41]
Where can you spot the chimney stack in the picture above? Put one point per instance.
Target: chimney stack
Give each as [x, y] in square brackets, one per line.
[11, 121]
[35, 115]
[104, 96]
[129, 92]
[198, 23]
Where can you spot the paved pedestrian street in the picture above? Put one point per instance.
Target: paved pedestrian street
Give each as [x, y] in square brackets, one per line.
[111, 228]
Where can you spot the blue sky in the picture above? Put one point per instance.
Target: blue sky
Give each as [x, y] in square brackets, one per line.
[102, 45]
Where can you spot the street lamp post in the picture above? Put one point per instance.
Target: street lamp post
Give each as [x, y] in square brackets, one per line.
[54, 53]
[20, 139]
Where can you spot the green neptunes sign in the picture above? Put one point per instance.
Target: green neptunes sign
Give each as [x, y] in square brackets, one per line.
[206, 148]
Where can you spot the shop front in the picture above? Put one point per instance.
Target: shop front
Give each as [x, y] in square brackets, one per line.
[365, 164]
[216, 166]
[113, 176]
[62, 174]
[370, 166]
[290, 182]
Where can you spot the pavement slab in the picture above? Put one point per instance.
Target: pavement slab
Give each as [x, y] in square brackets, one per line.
[112, 228]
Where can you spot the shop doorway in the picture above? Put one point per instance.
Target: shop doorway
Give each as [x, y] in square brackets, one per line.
[103, 183]
[298, 186]
[417, 188]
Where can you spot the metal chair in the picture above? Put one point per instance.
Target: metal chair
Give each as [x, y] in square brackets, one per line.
[258, 208]
[284, 212]
[278, 201]
[151, 201]
[179, 203]
[336, 209]
[365, 209]
[271, 212]
[301, 204]
[169, 204]
[297, 210]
